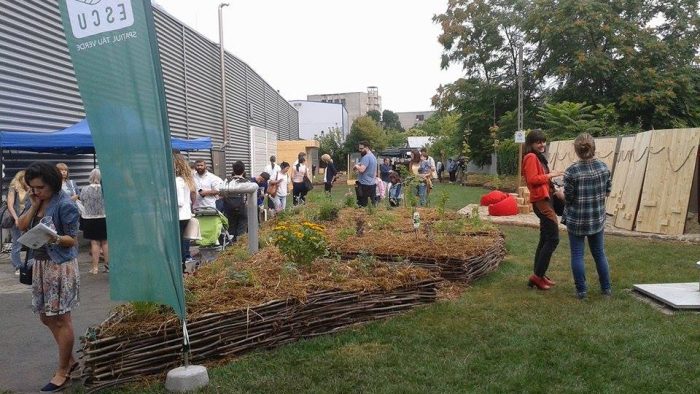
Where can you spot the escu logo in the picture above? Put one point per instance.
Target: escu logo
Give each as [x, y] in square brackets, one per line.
[90, 17]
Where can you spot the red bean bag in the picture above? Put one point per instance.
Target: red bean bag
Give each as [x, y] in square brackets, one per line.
[506, 207]
[493, 197]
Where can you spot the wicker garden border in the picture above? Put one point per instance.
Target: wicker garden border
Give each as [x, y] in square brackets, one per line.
[120, 359]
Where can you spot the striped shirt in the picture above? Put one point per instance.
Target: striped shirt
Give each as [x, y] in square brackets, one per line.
[586, 185]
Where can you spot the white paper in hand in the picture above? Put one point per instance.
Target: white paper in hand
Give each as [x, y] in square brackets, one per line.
[37, 236]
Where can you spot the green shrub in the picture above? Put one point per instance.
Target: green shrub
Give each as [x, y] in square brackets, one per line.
[328, 211]
[508, 159]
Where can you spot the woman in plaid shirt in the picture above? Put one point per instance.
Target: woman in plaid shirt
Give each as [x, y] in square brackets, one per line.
[586, 185]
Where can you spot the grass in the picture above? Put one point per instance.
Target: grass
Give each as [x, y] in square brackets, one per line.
[500, 336]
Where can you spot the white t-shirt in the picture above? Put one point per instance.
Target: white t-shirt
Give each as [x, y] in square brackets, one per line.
[208, 181]
[282, 186]
[273, 171]
[298, 176]
[184, 204]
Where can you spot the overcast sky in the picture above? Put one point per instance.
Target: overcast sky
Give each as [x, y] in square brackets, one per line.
[332, 46]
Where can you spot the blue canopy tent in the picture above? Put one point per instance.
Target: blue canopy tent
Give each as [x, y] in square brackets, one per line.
[76, 139]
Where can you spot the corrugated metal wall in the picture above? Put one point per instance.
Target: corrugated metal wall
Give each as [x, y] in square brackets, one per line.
[38, 90]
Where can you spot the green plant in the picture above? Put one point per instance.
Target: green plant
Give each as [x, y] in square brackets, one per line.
[350, 199]
[328, 211]
[343, 234]
[366, 260]
[300, 243]
[145, 308]
[383, 221]
[289, 269]
[242, 278]
[441, 202]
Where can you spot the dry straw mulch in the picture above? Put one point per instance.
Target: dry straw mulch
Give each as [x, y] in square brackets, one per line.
[379, 267]
[235, 281]
[240, 304]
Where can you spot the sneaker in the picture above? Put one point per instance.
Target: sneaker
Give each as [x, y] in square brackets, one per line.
[582, 295]
[607, 293]
[17, 272]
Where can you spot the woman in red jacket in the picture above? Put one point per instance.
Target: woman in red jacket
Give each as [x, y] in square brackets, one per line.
[538, 179]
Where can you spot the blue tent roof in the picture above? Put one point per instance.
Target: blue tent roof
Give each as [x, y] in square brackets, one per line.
[76, 139]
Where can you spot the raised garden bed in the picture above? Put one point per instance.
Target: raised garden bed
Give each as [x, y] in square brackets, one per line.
[372, 265]
[257, 303]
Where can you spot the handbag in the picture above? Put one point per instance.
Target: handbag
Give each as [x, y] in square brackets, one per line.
[192, 230]
[272, 189]
[6, 221]
[308, 185]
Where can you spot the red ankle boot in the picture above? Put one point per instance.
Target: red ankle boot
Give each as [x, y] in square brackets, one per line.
[536, 281]
[548, 281]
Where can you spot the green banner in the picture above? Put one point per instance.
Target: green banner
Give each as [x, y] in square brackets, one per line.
[115, 56]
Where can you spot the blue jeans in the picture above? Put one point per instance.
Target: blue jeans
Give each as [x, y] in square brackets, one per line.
[422, 189]
[15, 255]
[597, 244]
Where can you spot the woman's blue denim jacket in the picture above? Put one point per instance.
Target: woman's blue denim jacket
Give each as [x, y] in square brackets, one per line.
[65, 216]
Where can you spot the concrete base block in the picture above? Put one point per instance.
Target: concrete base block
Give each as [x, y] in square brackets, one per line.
[674, 295]
[182, 379]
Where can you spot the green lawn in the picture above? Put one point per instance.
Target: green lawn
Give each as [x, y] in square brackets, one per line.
[500, 336]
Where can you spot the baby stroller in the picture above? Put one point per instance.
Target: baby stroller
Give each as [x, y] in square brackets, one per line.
[213, 226]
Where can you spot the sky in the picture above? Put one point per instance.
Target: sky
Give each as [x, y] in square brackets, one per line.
[331, 46]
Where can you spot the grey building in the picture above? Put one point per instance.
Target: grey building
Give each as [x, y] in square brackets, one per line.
[38, 89]
[356, 103]
[413, 119]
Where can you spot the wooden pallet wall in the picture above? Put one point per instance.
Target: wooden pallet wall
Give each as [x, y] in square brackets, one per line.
[622, 166]
[672, 158]
[628, 200]
[605, 149]
[552, 154]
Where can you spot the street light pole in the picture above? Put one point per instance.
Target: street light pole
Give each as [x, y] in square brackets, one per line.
[223, 76]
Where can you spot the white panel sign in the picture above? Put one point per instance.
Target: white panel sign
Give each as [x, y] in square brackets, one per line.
[90, 17]
[519, 137]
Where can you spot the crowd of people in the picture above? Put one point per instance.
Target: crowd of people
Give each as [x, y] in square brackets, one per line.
[43, 193]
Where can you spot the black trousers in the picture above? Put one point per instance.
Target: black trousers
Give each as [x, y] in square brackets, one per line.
[298, 193]
[453, 176]
[549, 235]
[365, 194]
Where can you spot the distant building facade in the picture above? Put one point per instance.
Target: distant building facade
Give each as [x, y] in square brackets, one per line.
[409, 120]
[318, 118]
[356, 103]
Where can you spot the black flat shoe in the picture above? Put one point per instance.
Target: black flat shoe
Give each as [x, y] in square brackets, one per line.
[52, 388]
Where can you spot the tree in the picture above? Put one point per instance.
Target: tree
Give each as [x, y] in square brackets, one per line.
[332, 143]
[639, 55]
[637, 58]
[395, 138]
[365, 128]
[566, 120]
[483, 37]
[375, 115]
[390, 120]
[448, 139]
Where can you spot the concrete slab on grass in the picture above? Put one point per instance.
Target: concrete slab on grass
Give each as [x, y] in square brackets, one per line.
[676, 295]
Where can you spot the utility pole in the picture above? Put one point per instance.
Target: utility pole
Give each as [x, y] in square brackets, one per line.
[223, 77]
[520, 111]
